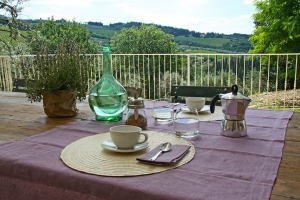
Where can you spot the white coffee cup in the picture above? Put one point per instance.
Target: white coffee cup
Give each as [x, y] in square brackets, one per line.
[126, 136]
[195, 103]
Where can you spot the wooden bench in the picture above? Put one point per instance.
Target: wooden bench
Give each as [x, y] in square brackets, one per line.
[178, 93]
[19, 85]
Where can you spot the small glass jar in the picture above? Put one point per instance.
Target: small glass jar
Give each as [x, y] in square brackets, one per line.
[136, 115]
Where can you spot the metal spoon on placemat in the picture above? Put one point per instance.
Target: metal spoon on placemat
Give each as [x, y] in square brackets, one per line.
[164, 148]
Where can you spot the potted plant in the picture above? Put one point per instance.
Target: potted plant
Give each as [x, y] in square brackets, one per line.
[58, 79]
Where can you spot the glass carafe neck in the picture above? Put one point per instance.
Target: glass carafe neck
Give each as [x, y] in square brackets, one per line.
[106, 59]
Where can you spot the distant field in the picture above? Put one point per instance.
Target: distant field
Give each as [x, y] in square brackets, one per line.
[5, 37]
[194, 51]
[212, 42]
[105, 32]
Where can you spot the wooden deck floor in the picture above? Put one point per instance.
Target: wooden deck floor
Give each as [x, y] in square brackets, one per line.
[20, 118]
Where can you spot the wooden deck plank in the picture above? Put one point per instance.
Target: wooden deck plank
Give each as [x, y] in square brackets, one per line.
[287, 183]
[287, 188]
[20, 118]
[293, 133]
[276, 197]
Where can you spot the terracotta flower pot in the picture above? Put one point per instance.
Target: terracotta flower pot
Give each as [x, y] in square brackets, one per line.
[60, 104]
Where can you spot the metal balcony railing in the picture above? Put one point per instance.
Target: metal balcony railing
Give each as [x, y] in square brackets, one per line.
[271, 80]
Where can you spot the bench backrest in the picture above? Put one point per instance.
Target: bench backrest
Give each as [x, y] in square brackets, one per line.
[178, 93]
[19, 85]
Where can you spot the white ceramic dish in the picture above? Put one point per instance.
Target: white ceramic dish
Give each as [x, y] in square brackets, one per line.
[195, 102]
[204, 109]
[110, 146]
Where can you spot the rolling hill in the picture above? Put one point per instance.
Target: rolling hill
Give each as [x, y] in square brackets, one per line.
[186, 39]
[216, 42]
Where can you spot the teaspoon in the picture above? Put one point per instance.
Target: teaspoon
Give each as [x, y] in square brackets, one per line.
[164, 148]
[171, 105]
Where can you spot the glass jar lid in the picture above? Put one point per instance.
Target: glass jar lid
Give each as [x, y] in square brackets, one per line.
[136, 103]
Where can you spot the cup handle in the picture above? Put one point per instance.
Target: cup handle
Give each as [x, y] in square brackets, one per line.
[146, 138]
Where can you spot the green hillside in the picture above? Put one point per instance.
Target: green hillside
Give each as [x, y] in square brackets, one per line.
[102, 31]
[187, 40]
[213, 42]
[205, 42]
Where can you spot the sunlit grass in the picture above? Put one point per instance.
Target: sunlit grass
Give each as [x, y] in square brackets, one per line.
[104, 32]
[6, 36]
[196, 51]
[213, 42]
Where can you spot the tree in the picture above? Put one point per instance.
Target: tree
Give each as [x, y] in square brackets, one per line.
[277, 26]
[11, 25]
[278, 31]
[50, 33]
[146, 40]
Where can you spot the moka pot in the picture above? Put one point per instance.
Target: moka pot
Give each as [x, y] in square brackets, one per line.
[234, 106]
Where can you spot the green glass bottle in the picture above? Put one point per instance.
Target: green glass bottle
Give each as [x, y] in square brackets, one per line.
[108, 98]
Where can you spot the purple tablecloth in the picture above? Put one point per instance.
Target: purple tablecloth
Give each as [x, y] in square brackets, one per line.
[223, 168]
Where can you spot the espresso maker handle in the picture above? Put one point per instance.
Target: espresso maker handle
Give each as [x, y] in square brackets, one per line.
[213, 103]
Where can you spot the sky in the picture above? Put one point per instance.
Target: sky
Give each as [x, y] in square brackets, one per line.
[219, 16]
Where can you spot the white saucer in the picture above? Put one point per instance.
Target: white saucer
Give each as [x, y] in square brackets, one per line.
[109, 145]
[204, 109]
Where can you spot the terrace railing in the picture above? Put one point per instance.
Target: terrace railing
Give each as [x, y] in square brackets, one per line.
[271, 80]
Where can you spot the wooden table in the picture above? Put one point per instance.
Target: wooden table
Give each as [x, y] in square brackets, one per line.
[19, 118]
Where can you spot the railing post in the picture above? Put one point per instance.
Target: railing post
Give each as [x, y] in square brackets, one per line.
[6, 74]
[188, 70]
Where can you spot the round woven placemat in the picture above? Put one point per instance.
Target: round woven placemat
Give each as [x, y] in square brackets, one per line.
[87, 155]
